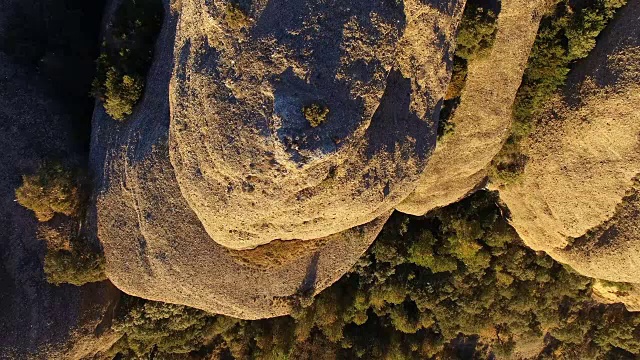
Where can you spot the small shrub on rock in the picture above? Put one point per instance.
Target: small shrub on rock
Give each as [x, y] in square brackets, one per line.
[70, 258]
[477, 32]
[122, 93]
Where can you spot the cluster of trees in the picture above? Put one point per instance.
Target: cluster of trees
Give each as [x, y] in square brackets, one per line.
[566, 35]
[126, 55]
[70, 257]
[476, 34]
[455, 284]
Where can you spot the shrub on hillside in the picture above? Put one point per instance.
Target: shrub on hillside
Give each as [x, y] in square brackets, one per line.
[70, 258]
[126, 56]
[76, 267]
[476, 33]
[121, 94]
[52, 189]
[235, 16]
[316, 114]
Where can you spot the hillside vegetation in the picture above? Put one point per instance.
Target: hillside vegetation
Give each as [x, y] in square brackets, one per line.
[476, 34]
[70, 258]
[458, 284]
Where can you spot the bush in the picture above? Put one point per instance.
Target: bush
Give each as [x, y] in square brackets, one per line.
[122, 93]
[315, 113]
[76, 267]
[126, 56]
[476, 33]
[52, 189]
[70, 258]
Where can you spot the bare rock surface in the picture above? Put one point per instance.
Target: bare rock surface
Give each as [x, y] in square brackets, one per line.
[155, 245]
[578, 197]
[483, 118]
[38, 320]
[250, 165]
[610, 293]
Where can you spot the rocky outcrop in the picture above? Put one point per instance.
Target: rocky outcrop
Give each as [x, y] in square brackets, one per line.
[578, 197]
[156, 247]
[611, 293]
[217, 193]
[39, 320]
[483, 118]
[250, 165]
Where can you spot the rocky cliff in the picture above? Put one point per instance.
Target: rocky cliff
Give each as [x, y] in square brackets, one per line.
[578, 197]
[218, 157]
[250, 165]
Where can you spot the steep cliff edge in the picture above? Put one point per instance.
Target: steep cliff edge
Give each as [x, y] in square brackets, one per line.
[577, 199]
[482, 120]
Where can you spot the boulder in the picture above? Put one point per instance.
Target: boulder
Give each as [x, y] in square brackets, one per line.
[247, 160]
[483, 118]
[611, 293]
[578, 196]
[156, 246]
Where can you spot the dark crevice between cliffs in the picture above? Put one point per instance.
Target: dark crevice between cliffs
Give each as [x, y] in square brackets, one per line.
[59, 41]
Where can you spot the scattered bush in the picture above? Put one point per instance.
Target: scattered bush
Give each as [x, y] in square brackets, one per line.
[566, 35]
[126, 56]
[69, 257]
[52, 189]
[315, 114]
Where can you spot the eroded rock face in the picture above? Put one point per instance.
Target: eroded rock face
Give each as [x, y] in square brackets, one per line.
[483, 118]
[578, 197]
[250, 165]
[157, 248]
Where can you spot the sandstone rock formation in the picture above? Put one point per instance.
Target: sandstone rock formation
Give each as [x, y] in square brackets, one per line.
[250, 165]
[609, 293]
[156, 247]
[578, 197]
[39, 320]
[483, 118]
